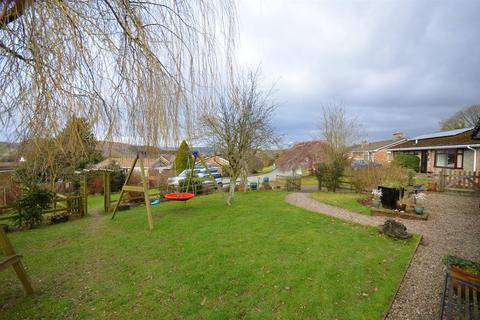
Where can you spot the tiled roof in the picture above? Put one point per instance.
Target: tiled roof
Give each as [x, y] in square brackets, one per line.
[461, 139]
[126, 162]
[374, 146]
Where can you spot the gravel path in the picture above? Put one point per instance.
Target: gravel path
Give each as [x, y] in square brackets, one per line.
[453, 227]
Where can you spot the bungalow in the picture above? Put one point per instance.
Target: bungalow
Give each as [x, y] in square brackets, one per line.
[376, 151]
[456, 150]
[151, 164]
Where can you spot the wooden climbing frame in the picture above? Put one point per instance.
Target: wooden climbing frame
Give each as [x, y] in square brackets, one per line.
[143, 188]
[14, 260]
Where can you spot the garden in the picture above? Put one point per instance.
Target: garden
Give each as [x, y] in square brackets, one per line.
[257, 259]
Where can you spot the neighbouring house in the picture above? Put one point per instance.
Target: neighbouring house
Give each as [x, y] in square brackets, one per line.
[302, 157]
[376, 151]
[458, 150]
[158, 164]
[216, 161]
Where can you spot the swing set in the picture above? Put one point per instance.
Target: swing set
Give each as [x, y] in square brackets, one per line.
[173, 196]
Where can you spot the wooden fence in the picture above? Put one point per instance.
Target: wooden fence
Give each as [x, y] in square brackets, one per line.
[456, 180]
[61, 204]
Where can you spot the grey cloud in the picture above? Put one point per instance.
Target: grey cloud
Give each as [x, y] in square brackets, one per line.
[396, 65]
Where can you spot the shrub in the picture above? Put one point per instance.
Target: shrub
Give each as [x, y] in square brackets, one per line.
[30, 206]
[320, 172]
[329, 174]
[368, 178]
[409, 161]
[195, 185]
[411, 176]
[183, 158]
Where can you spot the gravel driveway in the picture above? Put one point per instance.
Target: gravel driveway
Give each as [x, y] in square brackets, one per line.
[453, 228]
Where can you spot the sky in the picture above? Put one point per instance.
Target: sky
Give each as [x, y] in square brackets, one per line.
[394, 65]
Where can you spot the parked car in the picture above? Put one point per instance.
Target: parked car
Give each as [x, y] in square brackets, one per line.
[198, 172]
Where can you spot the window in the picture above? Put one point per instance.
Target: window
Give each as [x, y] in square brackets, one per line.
[449, 158]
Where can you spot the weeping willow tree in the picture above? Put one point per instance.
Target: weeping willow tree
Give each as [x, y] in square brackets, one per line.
[133, 69]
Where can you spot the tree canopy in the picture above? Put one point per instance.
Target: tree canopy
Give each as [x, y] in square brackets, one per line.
[465, 118]
[239, 124]
[183, 158]
[134, 69]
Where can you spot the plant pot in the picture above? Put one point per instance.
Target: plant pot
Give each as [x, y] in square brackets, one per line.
[376, 203]
[418, 210]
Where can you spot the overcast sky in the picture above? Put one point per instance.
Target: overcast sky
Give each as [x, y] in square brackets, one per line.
[396, 65]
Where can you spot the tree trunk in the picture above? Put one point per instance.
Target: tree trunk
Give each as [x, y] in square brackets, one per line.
[245, 179]
[231, 190]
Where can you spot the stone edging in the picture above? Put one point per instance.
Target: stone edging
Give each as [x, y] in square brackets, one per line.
[403, 278]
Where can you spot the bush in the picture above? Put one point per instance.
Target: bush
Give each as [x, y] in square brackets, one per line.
[409, 161]
[320, 173]
[367, 178]
[30, 206]
[329, 174]
[183, 158]
[195, 185]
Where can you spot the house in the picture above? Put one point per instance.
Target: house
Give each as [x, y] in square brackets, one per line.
[456, 150]
[302, 157]
[157, 164]
[376, 151]
[216, 161]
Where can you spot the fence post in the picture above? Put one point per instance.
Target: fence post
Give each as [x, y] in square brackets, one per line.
[83, 197]
[441, 182]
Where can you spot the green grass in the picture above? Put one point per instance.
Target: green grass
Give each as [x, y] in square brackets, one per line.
[422, 181]
[343, 200]
[266, 169]
[309, 181]
[259, 259]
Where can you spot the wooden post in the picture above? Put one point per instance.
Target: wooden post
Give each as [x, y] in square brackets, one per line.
[106, 192]
[13, 259]
[143, 188]
[84, 199]
[441, 181]
[145, 192]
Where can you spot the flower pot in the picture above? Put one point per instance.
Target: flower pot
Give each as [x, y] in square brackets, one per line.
[376, 203]
[418, 210]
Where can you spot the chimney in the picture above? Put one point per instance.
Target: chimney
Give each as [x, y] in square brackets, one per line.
[397, 135]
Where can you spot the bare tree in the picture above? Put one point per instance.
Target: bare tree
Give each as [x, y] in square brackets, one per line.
[338, 131]
[133, 68]
[239, 124]
[468, 117]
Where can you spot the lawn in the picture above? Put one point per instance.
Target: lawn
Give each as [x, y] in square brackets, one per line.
[309, 181]
[266, 169]
[259, 259]
[346, 200]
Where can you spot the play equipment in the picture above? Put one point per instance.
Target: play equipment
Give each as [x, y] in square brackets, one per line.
[179, 196]
[143, 188]
[14, 260]
[185, 196]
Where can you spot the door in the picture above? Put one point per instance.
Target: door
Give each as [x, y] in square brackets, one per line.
[424, 161]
